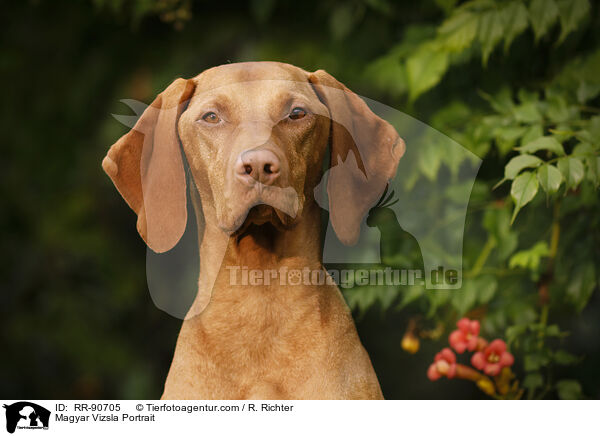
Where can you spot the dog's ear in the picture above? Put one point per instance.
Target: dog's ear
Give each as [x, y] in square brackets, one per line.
[146, 167]
[365, 151]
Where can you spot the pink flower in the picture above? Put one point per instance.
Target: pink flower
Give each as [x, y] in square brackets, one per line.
[493, 358]
[444, 363]
[465, 338]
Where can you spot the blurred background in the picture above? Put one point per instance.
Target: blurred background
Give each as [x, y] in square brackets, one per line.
[505, 79]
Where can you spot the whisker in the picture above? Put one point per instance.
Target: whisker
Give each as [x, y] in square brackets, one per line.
[382, 198]
[392, 203]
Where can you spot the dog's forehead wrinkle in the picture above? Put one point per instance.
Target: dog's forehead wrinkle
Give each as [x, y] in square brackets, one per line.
[261, 89]
[248, 71]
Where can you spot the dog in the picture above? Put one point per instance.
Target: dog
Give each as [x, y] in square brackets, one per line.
[255, 138]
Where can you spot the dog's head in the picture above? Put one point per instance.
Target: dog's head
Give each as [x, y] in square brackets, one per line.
[254, 136]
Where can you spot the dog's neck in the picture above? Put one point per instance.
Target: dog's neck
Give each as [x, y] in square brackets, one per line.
[261, 247]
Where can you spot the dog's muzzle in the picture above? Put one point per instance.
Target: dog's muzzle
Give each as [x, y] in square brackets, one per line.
[259, 178]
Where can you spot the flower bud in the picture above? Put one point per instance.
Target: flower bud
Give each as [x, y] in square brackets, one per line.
[410, 343]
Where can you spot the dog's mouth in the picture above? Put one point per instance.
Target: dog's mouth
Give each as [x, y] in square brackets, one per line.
[270, 204]
[264, 214]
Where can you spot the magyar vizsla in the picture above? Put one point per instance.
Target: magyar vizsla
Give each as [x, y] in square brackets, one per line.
[255, 137]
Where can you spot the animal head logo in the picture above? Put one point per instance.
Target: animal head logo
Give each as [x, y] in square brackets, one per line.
[26, 415]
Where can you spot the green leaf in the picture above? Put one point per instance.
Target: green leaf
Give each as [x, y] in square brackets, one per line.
[587, 91]
[592, 133]
[513, 332]
[569, 390]
[581, 285]
[497, 223]
[526, 96]
[490, 32]
[450, 115]
[386, 295]
[506, 137]
[559, 111]
[523, 189]
[360, 298]
[563, 357]
[554, 330]
[464, 299]
[486, 288]
[446, 5]
[543, 143]
[388, 74]
[515, 18]
[533, 381]
[583, 149]
[571, 13]
[425, 69]
[533, 132]
[550, 178]
[430, 160]
[533, 362]
[502, 102]
[381, 6]
[543, 14]
[527, 112]
[572, 170]
[593, 164]
[590, 156]
[530, 259]
[410, 294]
[562, 133]
[518, 163]
[459, 31]
[437, 298]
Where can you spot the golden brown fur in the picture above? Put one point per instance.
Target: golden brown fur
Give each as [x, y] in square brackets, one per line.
[275, 341]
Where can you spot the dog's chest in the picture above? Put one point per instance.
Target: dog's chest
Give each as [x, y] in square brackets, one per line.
[263, 329]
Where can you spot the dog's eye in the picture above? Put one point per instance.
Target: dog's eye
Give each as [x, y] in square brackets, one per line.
[297, 113]
[211, 117]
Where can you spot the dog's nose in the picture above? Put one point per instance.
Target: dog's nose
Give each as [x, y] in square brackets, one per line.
[261, 165]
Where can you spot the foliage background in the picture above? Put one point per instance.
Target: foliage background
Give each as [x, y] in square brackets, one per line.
[77, 320]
